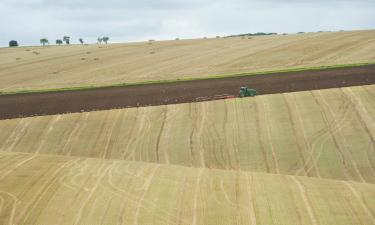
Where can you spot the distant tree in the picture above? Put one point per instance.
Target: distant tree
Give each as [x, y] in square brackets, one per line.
[66, 39]
[13, 43]
[81, 41]
[100, 40]
[44, 41]
[59, 42]
[105, 39]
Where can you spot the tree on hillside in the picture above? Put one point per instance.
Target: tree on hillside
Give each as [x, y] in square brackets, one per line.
[44, 41]
[81, 41]
[100, 40]
[66, 39]
[106, 39]
[59, 42]
[13, 43]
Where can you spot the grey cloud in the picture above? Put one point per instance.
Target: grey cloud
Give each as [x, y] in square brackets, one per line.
[132, 20]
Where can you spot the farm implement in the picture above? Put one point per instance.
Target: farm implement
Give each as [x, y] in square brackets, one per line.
[244, 92]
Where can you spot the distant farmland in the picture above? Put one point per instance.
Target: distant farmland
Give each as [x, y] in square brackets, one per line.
[324, 133]
[28, 68]
[68, 190]
[290, 158]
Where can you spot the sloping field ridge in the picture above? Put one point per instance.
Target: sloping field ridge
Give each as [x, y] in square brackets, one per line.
[31, 68]
[325, 133]
[69, 190]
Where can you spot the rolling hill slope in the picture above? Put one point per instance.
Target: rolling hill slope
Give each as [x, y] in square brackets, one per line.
[72, 66]
[325, 133]
[70, 190]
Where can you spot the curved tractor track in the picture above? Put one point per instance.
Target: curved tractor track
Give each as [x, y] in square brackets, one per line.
[26, 105]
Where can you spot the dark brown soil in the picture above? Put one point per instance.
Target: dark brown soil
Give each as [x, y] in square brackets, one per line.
[25, 105]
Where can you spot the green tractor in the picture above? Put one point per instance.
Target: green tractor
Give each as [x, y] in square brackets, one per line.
[247, 92]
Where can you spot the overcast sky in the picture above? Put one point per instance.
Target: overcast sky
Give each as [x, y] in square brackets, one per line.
[135, 20]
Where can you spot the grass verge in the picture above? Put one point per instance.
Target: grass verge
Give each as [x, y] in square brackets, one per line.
[90, 87]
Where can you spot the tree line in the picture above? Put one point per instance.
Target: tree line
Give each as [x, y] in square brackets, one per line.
[65, 39]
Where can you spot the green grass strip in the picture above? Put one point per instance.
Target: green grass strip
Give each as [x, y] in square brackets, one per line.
[92, 87]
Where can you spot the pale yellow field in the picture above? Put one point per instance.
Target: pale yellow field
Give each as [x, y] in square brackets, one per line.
[71, 66]
[42, 189]
[324, 133]
[304, 158]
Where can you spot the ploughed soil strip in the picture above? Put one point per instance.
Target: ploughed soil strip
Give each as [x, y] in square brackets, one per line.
[26, 105]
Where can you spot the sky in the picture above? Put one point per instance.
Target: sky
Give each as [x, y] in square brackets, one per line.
[27, 21]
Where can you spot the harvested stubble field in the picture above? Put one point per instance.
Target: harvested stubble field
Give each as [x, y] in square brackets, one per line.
[30, 68]
[324, 133]
[263, 160]
[69, 190]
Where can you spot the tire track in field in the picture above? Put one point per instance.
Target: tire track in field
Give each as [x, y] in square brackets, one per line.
[361, 112]
[291, 194]
[252, 212]
[330, 128]
[132, 138]
[164, 118]
[91, 193]
[213, 156]
[200, 134]
[193, 118]
[295, 132]
[172, 114]
[362, 117]
[216, 151]
[305, 199]
[109, 132]
[268, 129]
[310, 146]
[225, 147]
[146, 187]
[12, 134]
[260, 136]
[15, 201]
[14, 167]
[37, 138]
[37, 197]
[129, 197]
[129, 183]
[180, 203]
[17, 135]
[101, 123]
[10, 159]
[72, 175]
[359, 174]
[363, 204]
[370, 151]
[144, 128]
[82, 118]
[236, 137]
[49, 128]
[196, 194]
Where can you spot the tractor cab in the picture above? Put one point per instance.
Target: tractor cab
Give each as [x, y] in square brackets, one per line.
[247, 92]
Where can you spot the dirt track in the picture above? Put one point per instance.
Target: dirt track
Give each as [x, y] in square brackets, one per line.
[25, 105]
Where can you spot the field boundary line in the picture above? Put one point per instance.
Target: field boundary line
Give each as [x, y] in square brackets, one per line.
[179, 80]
